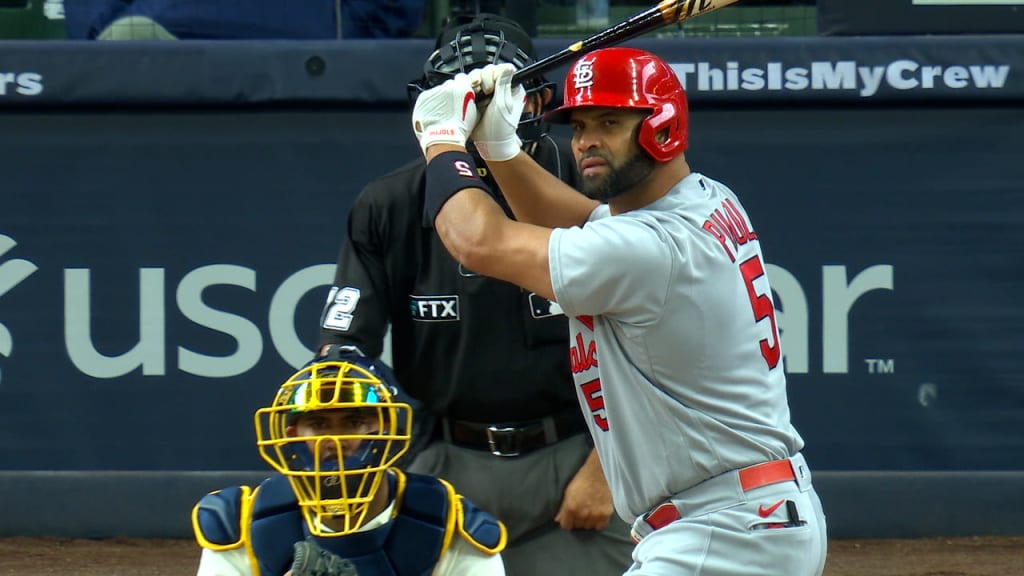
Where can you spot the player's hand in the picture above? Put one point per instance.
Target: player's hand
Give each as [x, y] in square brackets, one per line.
[495, 135]
[445, 114]
[587, 502]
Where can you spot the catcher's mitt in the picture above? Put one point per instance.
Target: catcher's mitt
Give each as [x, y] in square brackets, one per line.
[312, 560]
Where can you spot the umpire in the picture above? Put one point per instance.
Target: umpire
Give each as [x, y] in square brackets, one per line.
[487, 360]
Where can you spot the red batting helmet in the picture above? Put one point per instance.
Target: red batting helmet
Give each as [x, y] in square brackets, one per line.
[630, 78]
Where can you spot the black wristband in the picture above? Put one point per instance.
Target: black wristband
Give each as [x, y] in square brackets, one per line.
[447, 173]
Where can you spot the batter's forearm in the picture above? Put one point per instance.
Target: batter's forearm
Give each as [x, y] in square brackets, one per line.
[538, 196]
[478, 234]
[436, 150]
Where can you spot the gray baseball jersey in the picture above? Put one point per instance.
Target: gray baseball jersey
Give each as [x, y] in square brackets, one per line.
[673, 342]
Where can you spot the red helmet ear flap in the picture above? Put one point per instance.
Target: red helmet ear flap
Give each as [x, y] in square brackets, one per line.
[667, 118]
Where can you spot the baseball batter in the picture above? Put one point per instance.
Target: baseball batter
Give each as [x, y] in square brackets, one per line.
[485, 359]
[673, 340]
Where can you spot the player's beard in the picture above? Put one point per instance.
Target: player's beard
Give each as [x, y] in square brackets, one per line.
[619, 179]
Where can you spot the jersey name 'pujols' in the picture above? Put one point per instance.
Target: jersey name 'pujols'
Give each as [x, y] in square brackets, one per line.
[728, 223]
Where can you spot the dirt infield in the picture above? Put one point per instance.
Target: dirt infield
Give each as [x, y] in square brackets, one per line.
[990, 556]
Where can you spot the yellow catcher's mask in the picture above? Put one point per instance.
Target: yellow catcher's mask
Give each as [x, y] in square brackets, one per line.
[333, 430]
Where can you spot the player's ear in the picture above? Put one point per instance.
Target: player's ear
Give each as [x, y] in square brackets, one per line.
[534, 105]
[546, 95]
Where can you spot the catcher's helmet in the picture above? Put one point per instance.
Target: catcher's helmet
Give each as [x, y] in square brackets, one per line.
[469, 42]
[359, 431]
[630, 78]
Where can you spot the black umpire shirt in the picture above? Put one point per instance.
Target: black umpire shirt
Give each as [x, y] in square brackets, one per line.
[468, 347]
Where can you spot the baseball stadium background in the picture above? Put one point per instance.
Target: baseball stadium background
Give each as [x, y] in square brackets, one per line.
[170, 213]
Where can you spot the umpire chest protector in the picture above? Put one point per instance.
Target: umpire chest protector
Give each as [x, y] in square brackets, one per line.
[428, 514]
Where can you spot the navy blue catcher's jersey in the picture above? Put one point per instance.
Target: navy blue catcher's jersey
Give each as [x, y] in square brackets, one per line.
[267, 521]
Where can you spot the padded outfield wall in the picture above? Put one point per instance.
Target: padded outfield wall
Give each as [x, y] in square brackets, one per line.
[170, 214]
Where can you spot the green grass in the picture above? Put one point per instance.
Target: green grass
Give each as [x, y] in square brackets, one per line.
[25, 20]
[731, 21]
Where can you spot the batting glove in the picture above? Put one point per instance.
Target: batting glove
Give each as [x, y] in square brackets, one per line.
[495, 135]
[445, 114]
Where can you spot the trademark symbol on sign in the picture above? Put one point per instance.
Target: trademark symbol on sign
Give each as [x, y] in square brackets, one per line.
[880, 365]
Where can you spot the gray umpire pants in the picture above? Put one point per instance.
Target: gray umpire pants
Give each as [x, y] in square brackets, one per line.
[525, 492]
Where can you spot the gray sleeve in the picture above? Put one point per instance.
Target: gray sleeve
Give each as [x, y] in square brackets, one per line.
[612, 266]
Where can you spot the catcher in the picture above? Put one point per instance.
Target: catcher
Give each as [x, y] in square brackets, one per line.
[337, 506]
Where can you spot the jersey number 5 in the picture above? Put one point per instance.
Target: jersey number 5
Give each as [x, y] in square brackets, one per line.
[751, 269]
[595, 401]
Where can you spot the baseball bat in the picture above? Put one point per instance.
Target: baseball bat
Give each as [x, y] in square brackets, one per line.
[664, 13]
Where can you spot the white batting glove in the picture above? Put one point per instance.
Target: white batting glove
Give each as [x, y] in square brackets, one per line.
[495, 135]
[445, 114]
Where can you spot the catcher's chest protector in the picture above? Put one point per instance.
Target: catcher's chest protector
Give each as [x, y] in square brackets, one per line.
[409, 545]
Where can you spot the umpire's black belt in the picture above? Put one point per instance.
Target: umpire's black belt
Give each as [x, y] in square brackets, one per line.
[512, 439]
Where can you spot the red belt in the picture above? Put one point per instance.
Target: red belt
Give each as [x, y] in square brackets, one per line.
[750, 477]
